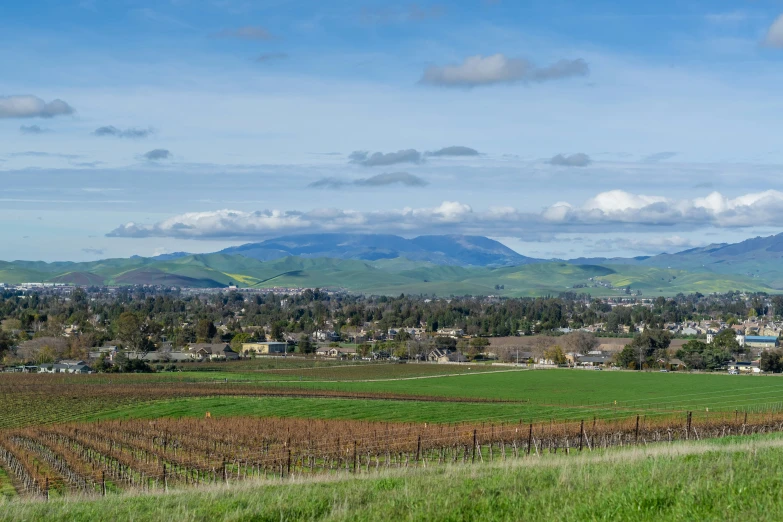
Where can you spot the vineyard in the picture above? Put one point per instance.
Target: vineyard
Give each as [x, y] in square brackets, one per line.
[104, 457]
[289, 430]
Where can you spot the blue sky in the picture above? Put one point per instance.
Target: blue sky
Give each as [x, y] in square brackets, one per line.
[561, 128]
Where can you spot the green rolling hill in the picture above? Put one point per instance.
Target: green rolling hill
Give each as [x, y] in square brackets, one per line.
[385, 276]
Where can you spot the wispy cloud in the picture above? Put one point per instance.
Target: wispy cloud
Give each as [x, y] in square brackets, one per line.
[111, 130]
[41, 154]
[381, 180]
[380, 159]
[94, 251]
[456, 150]
[579, 159]
[479, 70]
[269, 57]
[728, 17]
[157, 155]
[28, 106]
[248, 32]
[659, 156]
[33, 129]
[411, 13]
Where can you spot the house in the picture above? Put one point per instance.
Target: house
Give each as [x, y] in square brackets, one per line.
[594, 360]
[689, 330]
[744, 367]
[451, 332]
[264, 348]
[212, 352]
[336, 352]
[441, 355]
[78, 367]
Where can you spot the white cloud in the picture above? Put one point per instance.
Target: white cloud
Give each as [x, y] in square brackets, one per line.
[604, 212]
[27, 106]
[617, 206]
[774, 37]
[487, 70]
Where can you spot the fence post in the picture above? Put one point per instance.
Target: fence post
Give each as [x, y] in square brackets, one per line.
[354, 456]
[530, 438]
[289, 461]
[581, 433]
[225, 473]
[418, 450]
[636, 440]
[474, 445]
[103, 483]
[46, 488]
[688, 429]
[165, 480]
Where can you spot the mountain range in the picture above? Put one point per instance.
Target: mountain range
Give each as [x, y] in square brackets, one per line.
[439, 265]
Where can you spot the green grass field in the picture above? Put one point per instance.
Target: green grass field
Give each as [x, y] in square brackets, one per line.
[588, 389]
[528, 395]
[733, 479]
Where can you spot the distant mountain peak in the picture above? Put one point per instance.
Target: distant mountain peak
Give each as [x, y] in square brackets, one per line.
[459, 250]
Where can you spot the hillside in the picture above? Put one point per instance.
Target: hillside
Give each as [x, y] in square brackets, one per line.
[384, 276]
[442, 250]
[759, 258]
[733, 479]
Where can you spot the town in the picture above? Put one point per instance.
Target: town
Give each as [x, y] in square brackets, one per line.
[67, 329]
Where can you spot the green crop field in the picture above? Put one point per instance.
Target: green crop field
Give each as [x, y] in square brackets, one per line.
[529, 395]
[588, 389]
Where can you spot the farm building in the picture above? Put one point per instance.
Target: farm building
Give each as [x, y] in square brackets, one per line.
[265, 348]
[760, 341]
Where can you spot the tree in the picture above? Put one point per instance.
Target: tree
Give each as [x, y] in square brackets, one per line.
[5, 342]
[205, 330]
[277, 332]
[129, 329]
[137, 333]
[364, 349]
[305, 346]
[580, 342]
[555, 354]
[643, 348]
[702, 356]
[771, 361]
[447, 343]
[727, 341]
[238, 340]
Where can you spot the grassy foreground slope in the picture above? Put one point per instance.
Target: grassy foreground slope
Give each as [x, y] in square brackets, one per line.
[733, 479]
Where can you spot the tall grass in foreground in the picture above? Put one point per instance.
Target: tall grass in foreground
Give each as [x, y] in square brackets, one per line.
[735, 479]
